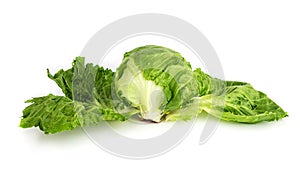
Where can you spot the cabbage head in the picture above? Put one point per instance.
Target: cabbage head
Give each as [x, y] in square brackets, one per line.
[155, 80]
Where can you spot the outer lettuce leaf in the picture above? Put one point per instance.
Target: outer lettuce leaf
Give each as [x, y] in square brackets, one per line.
[54, 114]
[92, 114]
[78, 82]
[208, 85]
[104, 91]
[88, 100]
[90, 83]
[50, 113]
[64, 79]
[242, 104]
[235, 101]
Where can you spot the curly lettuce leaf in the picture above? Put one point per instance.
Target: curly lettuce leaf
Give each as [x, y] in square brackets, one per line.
[88, 100]
[50, 113]
[235, 101]
[92, 114]
[241, 103]
[54, 114]
[90, 83]
[64, 78]
[78, 82]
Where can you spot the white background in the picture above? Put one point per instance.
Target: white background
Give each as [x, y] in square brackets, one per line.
[256, 41]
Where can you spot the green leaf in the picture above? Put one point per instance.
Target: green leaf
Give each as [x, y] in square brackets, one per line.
[89, 83]
[241, 103]
[89, 99]
[78, 82]
[64, 79]
[92, 114]
[104, 87]
[54, 114]
[208, 85]
[50, 113]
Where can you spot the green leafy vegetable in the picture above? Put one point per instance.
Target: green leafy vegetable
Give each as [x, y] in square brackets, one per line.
[154, 81]
[87, 100]
[58, 113]
[51, 113]
[230, 101]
